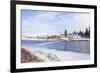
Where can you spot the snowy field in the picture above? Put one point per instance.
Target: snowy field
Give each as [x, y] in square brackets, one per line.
[55, 55]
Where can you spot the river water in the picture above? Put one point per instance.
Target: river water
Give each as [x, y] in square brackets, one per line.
[61, 45]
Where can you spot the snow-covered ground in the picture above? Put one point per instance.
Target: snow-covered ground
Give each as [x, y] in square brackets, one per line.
[82, 39]
[55, 55]
[67, 39]
[38, 39]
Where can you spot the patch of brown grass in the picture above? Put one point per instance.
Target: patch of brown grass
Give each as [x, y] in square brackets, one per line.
[27, 56]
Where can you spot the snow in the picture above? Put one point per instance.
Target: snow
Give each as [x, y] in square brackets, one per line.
[49, 43]
[65, 38]
[82, 39]
[55, 55]
[39, 39]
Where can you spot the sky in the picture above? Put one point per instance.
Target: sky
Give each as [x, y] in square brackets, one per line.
[51, 22]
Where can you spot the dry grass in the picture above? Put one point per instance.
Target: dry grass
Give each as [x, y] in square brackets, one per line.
[27, 56]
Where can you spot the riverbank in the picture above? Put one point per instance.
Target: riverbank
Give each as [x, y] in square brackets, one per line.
[50, 55]
[82, 39]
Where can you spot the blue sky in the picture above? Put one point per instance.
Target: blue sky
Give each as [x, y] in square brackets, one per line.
[50, 22]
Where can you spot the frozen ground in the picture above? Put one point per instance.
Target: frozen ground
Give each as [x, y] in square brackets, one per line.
[46, 54]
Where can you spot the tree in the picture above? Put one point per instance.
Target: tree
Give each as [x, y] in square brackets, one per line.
[87, 32]
[81, 33]
[65, 33]
[74, 32]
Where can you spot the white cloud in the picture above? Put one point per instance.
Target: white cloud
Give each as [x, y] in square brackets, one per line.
[55, 22]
